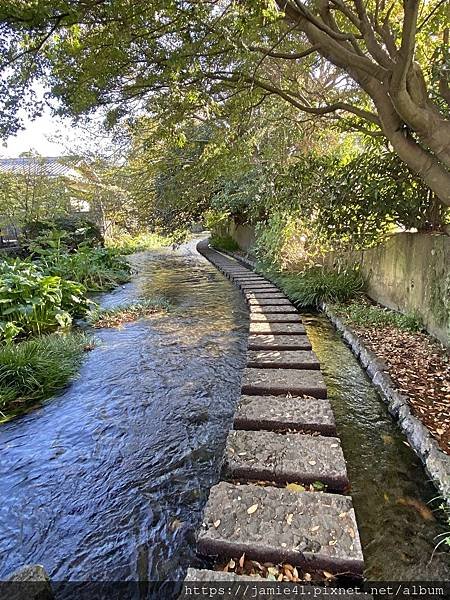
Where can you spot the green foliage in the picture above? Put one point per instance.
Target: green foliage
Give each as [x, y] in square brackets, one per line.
[125, 313]
[33, 370]
[72, 231]
[98, 269]
[33, 302]
[318, 284]
[224, 242]
[126, 243]
[364, 314]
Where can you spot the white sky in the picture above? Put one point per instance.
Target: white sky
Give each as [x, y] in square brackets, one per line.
[36, 136]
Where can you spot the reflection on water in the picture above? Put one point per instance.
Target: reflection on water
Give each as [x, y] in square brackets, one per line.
[389, 486]
[108, 481]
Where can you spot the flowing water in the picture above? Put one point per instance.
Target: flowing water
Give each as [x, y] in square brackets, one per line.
[390, 489]
[108, 481]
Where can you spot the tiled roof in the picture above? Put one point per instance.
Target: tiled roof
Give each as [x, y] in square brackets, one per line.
[43, 165]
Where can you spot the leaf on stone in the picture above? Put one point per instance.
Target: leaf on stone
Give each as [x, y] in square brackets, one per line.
[328, 575]
[289, 518]
[315, 528]
[252, 509]
[217, 523]
[295, 487]
[242, 560]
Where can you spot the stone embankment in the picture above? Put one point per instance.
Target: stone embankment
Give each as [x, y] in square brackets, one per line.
[283, 440]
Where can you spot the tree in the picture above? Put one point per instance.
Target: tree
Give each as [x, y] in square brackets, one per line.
[391, 63]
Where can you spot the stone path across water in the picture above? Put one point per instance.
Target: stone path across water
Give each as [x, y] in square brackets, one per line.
[282, 441]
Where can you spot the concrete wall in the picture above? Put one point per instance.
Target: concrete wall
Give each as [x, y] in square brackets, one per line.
[410, 272]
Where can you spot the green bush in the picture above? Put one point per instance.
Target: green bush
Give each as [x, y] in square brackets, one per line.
[33, 370]
[75, 231]
[318, 284]
[98, 269]
[224, 242]
[370, 315]
[129, 244]
[33, 302]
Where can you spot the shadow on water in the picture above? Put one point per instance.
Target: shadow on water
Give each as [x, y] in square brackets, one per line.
[389, 486]
[108, 480]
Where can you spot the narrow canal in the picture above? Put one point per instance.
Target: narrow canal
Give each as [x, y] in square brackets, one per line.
[108, 481]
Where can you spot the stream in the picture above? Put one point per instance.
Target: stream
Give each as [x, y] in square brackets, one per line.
[108, 480]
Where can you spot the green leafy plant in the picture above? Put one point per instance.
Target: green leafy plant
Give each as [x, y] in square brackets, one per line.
[33, 370]
[33, 302]
[371, 315]
[318, 284]
[98, 269]
[224, 242]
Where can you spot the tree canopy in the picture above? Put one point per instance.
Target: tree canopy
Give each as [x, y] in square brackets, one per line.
[378, 67]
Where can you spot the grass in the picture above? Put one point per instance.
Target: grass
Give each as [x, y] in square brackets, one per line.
[224, 242]
[316, 285]
[33, 370]
[363, 314]
[126, 313]
[129, 244]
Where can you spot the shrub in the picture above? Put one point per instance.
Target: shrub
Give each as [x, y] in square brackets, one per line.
[75, 231]
[318, 284]
[224, 242]
[371, 315]
[33, 370]
[98, 269]
[32, 302]
[129, 244]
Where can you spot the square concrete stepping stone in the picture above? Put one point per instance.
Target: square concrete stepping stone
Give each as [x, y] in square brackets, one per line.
[270, 456]
[307, 529]
[285, 412]
[275, 318]
[265, 295]
[264, 302]
[258, 287]
[282, 359]
[278, 342]
[283, 381]
[277, 328]
[256, 309]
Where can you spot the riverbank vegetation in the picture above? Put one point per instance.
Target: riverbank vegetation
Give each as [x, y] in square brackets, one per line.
[34, 369]
[126, 313]
[42, 295]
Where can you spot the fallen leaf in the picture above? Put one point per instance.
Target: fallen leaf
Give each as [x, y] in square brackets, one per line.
[295, 487]
[252, 509]
[289, 518]
[217, 523]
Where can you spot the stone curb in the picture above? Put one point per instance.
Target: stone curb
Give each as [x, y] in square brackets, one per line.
[436, 462]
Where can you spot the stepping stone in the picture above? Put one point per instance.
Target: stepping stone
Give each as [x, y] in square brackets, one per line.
[259, 289]
[283, 381]
[308, 529]
[274, 328]
[283, 412]
[265, 295]
[272, 310]
[278, 342]
[282, 359]
[270, 456]
[264, 302]
[275, 318]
